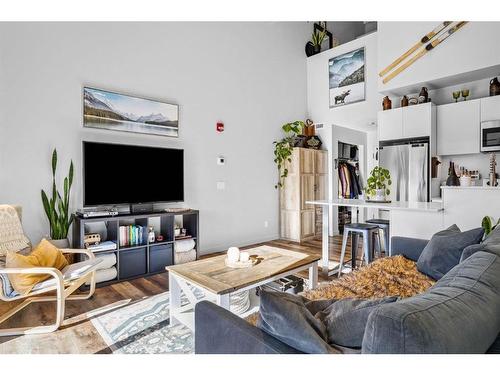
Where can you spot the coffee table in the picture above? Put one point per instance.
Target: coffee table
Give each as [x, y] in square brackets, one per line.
[217, 281]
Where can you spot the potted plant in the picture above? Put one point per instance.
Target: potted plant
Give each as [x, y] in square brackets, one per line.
[377, 184]
[57, 207]
[317, 38]
[284, 147]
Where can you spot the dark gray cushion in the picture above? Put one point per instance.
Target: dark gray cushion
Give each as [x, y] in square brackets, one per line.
[459, 314]
[286, 317]
[444, 250]
[314, 326]
[345, 320]
[492, 242]
[469, 250]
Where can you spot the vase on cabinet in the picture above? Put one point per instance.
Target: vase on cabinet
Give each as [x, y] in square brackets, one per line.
[494, 87]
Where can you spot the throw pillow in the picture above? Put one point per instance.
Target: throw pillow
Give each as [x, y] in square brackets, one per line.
[322, 326]
[286, 317]
[346, 319]
[469, 250]
[444, 250]
[44, 255]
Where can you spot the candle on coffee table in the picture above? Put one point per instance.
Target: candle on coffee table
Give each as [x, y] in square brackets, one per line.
[233, 254]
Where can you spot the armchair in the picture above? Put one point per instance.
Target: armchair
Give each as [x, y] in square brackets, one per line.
[44, 291]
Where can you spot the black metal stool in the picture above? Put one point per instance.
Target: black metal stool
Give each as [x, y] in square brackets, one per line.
[385, 227]
[369, 232]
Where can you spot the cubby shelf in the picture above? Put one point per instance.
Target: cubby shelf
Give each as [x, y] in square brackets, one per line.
[144, 259]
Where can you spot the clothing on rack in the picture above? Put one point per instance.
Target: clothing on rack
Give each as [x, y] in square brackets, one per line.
[349, 181]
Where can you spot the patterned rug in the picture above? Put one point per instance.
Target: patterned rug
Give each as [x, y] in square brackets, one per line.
[142, 328]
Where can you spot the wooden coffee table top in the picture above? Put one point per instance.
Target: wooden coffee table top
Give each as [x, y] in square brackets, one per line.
[213, 274]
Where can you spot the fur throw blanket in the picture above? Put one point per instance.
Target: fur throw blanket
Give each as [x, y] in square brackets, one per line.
[389, 276]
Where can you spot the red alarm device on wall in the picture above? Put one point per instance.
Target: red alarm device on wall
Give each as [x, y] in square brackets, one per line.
[220, 127]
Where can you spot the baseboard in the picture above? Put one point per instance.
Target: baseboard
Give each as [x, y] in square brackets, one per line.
[224, 246]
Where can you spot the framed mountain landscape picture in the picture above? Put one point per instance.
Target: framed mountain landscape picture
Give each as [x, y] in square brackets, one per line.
[109, 110]
[347, 78]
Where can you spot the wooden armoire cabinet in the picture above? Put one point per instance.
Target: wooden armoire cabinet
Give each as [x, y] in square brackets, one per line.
[307, 180]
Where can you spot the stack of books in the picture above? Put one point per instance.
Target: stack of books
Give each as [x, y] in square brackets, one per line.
[132, 235]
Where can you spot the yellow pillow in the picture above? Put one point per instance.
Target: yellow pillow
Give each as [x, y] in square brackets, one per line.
[44, 255]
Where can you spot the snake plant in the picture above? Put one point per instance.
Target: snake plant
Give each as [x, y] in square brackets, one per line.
[57, 207]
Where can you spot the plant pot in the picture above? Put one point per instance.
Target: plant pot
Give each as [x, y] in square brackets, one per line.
[60, 244]
[379, 195]
[316, 49]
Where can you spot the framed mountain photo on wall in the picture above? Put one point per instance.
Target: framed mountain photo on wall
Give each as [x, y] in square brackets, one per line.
[346, 75]
[109, 110]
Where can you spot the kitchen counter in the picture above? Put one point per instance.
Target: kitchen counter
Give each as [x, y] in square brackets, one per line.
[410, 219]
[471, 187]
[407, 206]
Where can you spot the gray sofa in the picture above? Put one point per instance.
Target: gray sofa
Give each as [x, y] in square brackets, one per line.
[459, 314]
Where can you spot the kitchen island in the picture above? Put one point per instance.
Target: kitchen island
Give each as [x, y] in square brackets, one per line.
[410, 219]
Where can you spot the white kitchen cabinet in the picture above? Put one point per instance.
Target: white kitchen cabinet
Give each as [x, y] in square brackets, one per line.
[417, 121]
[458, 128]
[490, 108]
[390, 124]
[406, 122]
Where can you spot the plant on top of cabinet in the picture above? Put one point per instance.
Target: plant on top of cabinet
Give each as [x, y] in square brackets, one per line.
[317, 38]
[57, 207]
[284, 147]
[377, 184]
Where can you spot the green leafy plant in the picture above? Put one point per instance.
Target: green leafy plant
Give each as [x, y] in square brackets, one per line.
[380, 178]
[487, 224]
[283, 149]
[318, 37]
[57, 207]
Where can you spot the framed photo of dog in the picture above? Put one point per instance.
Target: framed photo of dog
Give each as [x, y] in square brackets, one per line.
[346, 74]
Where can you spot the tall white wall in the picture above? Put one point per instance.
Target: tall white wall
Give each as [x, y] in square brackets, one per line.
[251, 76]
[361, 115]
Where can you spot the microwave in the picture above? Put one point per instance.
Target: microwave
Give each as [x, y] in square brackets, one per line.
[490, 136]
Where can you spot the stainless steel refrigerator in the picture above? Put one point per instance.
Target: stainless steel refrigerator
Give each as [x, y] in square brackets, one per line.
[408, 163]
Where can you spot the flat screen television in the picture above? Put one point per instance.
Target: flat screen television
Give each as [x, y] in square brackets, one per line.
[116, 174]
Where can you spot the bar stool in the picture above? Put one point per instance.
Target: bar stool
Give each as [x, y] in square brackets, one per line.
[385, 227]
[369, 232]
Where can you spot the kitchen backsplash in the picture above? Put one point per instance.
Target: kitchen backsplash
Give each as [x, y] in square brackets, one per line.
[480, 162]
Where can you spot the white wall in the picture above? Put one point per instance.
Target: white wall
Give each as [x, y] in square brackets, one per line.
[251, 76]
[468, 55]
[362, 115]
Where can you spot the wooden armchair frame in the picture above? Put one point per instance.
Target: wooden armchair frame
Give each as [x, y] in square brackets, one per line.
[63, 289]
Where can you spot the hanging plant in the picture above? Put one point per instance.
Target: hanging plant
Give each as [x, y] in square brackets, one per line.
[283, 149]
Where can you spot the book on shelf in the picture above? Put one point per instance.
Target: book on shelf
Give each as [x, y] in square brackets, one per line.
[131, 235]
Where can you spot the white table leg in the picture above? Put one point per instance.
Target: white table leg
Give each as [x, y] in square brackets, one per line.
[325, 250]
[313, 276]
[223, 300]
[175, 298]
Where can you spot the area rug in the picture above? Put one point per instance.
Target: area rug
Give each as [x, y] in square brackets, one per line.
[143, 328]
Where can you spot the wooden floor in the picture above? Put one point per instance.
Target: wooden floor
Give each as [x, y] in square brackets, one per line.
[78, 335]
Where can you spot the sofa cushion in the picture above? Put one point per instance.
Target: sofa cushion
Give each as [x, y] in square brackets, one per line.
[286, 317]
[471, 249]
[345, 319]
[444, 250]
[316, 326]
[459, 314]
